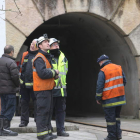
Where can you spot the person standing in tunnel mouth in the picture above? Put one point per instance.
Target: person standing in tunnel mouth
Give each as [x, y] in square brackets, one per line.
[43, 83]
[26, 83]
[111, 94]
[59, 62]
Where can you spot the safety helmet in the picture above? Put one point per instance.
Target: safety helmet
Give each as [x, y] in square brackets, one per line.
[102, 57]
[42, 38]
[53, 40]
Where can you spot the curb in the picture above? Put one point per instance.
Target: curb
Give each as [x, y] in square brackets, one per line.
[34, 130]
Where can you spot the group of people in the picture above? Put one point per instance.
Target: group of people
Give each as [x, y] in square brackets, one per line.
[41, 75]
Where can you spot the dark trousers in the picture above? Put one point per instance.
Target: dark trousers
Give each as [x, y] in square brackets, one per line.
[8, 106]
[59, 106]
[43, 115]
[112, 116]
[26, 94]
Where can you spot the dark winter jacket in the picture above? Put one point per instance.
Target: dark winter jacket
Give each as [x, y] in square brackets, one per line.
[100, 86]
[27, 71]
[9, 75]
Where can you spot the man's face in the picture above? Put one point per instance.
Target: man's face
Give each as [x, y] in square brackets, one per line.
[33, 46]
[100, 63]
[55, 45]
[45, 45]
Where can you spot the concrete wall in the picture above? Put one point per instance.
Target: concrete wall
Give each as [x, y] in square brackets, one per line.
[120, 15]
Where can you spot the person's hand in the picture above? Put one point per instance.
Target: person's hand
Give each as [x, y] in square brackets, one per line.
[57, 71]
[98, 102]
[56, 77]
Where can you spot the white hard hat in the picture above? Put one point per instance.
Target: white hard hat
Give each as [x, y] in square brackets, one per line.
[53, 40]
[42, 38]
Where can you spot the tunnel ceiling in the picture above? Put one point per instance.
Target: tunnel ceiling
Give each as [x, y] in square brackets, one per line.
[83, 38]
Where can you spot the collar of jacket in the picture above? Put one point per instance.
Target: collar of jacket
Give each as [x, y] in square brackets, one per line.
[106, 63]
[48, 55]
[6, 55]
[33, 52]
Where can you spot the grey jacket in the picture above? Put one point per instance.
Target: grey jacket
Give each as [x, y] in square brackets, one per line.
[9, 75]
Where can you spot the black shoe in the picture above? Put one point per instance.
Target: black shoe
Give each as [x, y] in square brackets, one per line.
[52, 136]
[107, 138]
[47, 138]
[119, 137]
[23, 124]
[63, 134]
[6, 132]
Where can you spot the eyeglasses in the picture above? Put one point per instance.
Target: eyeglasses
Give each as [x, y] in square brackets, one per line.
[56, 44]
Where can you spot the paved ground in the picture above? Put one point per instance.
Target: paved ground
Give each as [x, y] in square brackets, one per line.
[84, 133]
[126, 124]
[73, 136]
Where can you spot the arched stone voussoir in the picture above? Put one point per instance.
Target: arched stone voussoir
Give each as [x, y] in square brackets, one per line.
[54, 8]
[135, 38]
[127, 16]
[77, 5]
[14, 37]
[26, 18]
[104, 8]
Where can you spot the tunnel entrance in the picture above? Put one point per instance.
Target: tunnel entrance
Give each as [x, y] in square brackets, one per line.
[83, 38]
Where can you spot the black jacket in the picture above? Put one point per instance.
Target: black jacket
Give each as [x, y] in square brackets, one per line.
[9, 75]
[27, 71]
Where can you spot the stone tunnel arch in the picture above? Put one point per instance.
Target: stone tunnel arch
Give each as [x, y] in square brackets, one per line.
[84, 37]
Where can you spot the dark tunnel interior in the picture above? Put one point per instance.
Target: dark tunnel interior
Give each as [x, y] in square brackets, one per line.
[83, 38]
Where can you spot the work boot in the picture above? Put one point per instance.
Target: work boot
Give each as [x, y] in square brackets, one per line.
[52, 136]
[47, 138]
[107, 138]
[63, 134]
[119, 137]
[23, 124]
[4, 123]
[6, 132]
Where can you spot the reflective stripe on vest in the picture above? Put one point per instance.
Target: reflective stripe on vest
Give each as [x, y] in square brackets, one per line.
[42, 133]
[42, 84]
[62, 67]
[25, 60]
[109, 88]
[114, 78]
[113, 86]
[59, 87]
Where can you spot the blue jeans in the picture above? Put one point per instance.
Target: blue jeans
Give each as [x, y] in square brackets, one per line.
[8, 106]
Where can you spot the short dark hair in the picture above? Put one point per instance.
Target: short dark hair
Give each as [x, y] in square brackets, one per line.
[8, 49]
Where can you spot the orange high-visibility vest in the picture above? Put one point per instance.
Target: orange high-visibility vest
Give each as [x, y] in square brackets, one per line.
[42, 84]
[22, 60]
[114, 86]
